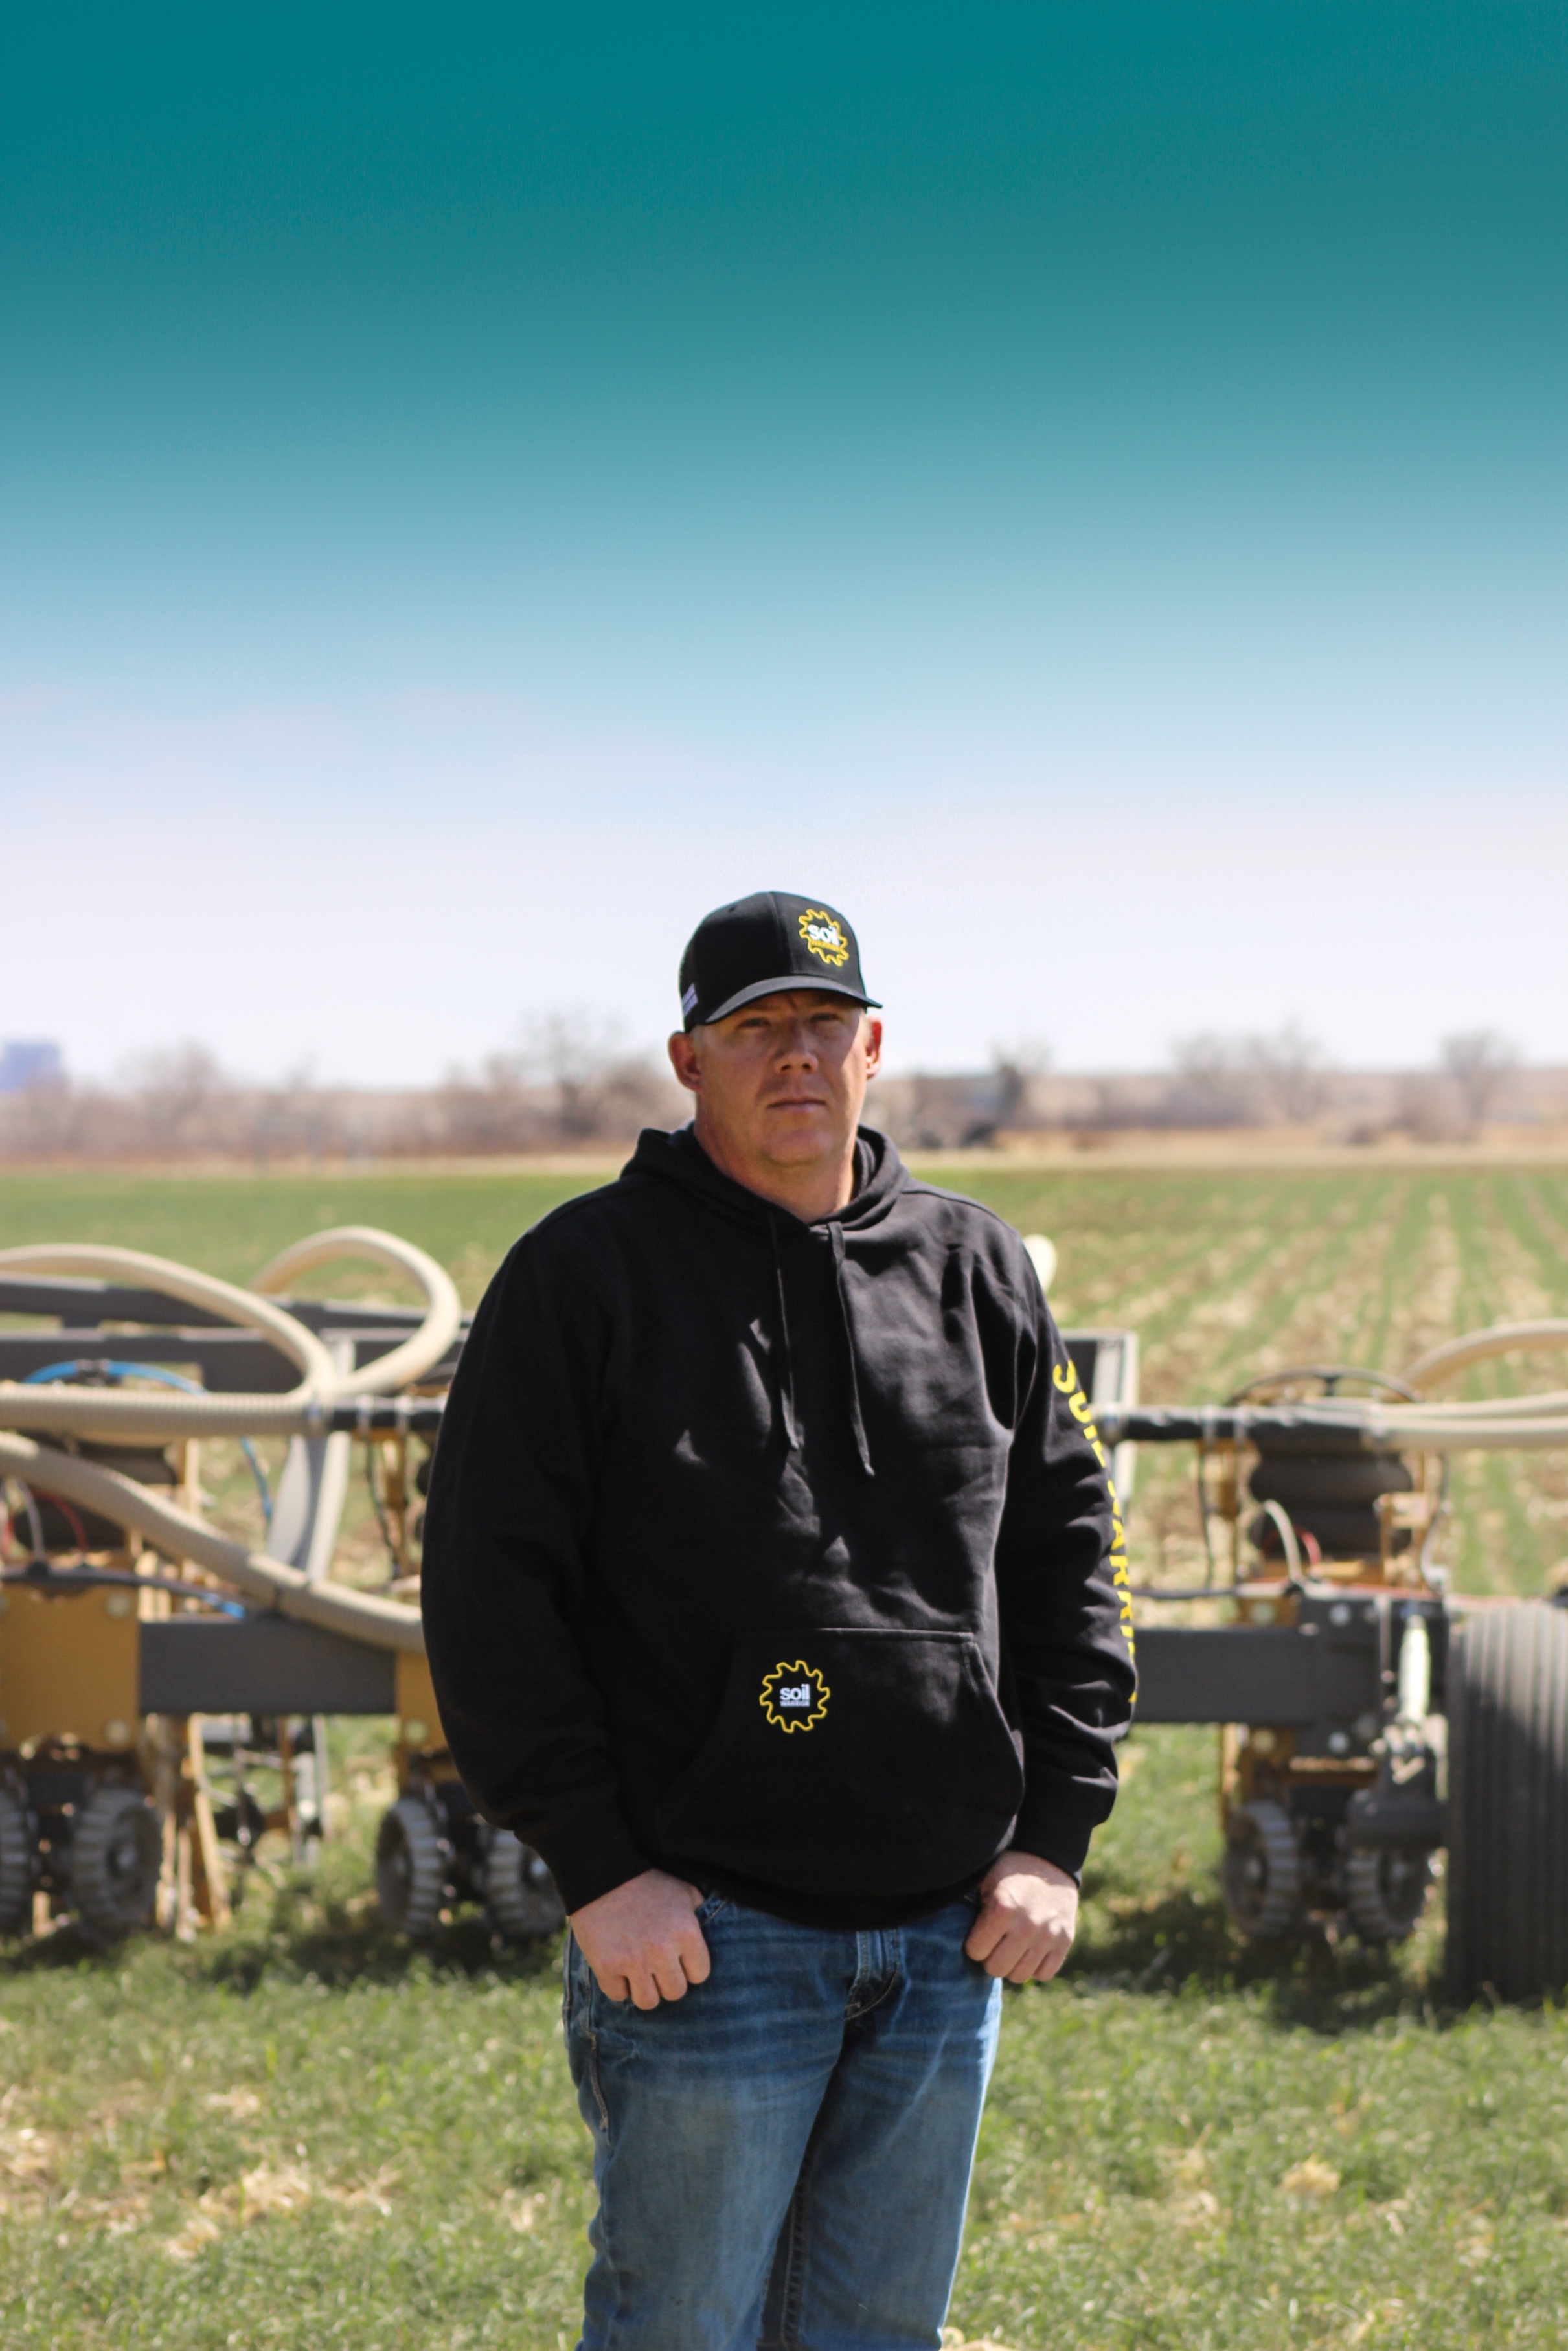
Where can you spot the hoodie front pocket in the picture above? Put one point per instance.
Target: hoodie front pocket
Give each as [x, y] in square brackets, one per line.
[850, 1760]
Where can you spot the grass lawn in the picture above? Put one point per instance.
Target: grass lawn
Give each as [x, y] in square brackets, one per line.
[302, 2134]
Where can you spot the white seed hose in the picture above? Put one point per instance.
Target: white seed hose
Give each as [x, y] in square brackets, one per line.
[1457, 1436]
[333, 1607]
[161, 1415]
[1476, 1346]
[444, 1308]
[1532, 1424]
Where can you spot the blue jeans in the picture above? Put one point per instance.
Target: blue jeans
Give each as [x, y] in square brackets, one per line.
[783, 2157]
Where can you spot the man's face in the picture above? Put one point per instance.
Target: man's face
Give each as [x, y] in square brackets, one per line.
[781, 1082]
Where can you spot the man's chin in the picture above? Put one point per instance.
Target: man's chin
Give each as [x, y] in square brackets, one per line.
[801, 1143]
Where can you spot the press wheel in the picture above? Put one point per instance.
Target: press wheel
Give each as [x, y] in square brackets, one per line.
[1261, 1872]
[519, 1892]
[116, 1860]
[16, 1866]
[1385, 1892]
[410, 1868]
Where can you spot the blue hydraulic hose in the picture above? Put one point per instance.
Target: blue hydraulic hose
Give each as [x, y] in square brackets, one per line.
[52, 1374]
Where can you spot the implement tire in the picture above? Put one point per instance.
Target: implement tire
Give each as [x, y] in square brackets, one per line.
[1261, 1876]
[1508, 1805]
[1385, 1892]
[519, 1892]
[15, 1867]
[116, 1859]
[412, 1863]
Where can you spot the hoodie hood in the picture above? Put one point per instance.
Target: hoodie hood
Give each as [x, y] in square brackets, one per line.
[879, 1178]
[679, 1158]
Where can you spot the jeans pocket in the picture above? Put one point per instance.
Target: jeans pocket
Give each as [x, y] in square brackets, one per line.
[567, 1959]
[596, 2088]
[709, 1909]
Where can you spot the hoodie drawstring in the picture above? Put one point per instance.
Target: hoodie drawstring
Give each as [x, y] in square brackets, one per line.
[786, 1366]
[862, 1447]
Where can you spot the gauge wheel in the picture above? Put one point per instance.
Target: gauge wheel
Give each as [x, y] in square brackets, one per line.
[1261, 1872]
[117, 1858]
[16, 1866]
[1385, 1892]
[519, 1892]
[412, 1861]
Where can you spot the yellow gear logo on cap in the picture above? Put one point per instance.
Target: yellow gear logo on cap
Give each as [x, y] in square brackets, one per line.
[825, 935]
[794, 1697]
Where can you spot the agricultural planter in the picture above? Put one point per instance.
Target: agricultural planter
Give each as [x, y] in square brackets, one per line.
[1369, 1719]
[154, 1673]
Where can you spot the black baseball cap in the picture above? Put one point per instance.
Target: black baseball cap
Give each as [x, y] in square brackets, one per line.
[762, 943]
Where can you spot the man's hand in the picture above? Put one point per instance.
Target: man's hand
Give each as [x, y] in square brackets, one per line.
[642, 1941]
[1029, 1914]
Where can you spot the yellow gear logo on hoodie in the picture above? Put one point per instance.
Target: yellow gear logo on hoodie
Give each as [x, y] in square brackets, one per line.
[824, 936]
[794, 1697]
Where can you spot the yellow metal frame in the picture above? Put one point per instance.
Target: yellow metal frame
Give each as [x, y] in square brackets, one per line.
[419, 1731]
[68, 1668]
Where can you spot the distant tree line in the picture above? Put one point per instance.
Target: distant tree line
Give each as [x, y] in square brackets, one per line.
[570, 1083]
[1213, 1081]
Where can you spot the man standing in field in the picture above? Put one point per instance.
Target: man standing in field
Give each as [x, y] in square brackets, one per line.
[775, 1593]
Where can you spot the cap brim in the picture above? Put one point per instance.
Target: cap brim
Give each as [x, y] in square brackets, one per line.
[785, 986]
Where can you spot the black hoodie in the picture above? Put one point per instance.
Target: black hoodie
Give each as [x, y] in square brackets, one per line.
[777, 1555]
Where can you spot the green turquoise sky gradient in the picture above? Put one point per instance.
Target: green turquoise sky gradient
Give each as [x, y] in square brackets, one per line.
[1042, 475]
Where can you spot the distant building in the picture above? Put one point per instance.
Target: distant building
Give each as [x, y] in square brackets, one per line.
[29, 1062]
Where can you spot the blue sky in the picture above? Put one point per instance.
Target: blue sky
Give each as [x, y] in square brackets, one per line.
[1083, 489]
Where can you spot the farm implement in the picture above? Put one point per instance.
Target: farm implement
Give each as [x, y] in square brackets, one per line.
[1368, 1718]
[154, 1674]
[158, 1677]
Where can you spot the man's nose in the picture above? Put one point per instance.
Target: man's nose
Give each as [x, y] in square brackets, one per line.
[798, 1046]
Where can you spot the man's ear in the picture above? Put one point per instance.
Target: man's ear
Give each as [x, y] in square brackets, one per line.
[873, 1047]
[686, 1062]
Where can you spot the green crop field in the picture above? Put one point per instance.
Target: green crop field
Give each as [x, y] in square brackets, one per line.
[299, 2133]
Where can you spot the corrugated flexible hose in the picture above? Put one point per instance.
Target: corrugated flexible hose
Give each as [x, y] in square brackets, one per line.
[333, 1607]
[163, 1415]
